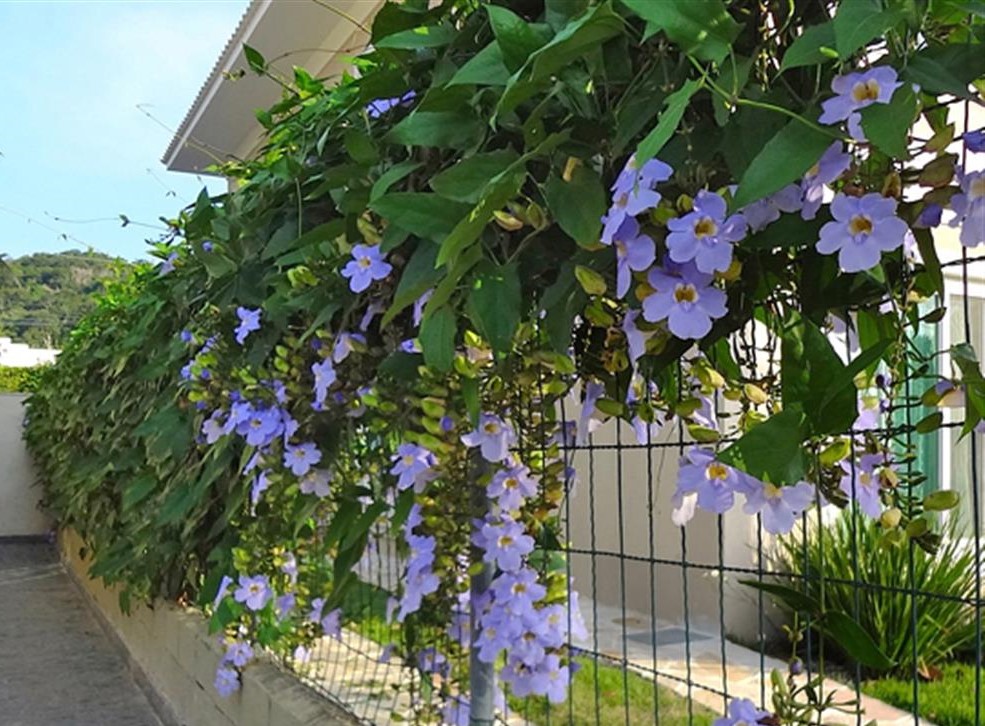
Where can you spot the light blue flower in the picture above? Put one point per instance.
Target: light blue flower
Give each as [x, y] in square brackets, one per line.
[686, 299]
[706, 235]
[367, 264]
[249, 321]
[863, 228]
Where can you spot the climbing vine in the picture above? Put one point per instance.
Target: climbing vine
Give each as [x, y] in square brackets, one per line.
[668, 212]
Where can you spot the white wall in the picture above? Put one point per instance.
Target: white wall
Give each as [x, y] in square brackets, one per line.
[20, 355]
[19, 495]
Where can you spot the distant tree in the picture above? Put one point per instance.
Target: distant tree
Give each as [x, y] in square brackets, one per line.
[43, 295]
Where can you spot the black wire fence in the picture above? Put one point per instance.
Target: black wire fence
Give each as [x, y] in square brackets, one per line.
[678, 620]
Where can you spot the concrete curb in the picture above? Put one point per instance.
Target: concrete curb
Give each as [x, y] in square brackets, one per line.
[174, 659]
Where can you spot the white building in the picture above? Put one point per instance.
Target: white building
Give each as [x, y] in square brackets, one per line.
[21, 355]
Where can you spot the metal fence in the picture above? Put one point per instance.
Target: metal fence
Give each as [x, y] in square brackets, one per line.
[673, 633]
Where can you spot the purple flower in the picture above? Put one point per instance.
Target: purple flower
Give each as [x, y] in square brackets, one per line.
[930, 216]
[299, 459]
[411, 346]
[249, 321]
[763, 212]
[284, 605]
[864, 486]
[634, 252]
[331, 624]
[380, 106]
[511, 487]
[685, 298]
[833, 163]
[518, 591]
[167, 267]
[550, 679]
[325, 376]
[239, 653]
[372, 310]
[431, 660]
[493, 436]
[713, 482]
[413, 467]
[260, 484]
[226, 681]
[855, 91]
[781, 506]
[345, 344]
[652, 173]
[974, 141]
[741, 712]
[627, 201]
[207, 246]
[418, 311]
[222, 590]
[367, 265]
[863, 228]
[253, 591]
[505, 542]
[456, 711]
[969, 208]
[635, 338]
[261, 426]
[213, 428]
[186, 336]
[317, 482]
[416, 587]
[705, 235]
[587, 422]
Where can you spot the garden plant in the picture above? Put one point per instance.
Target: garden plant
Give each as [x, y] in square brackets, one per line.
[657, 209]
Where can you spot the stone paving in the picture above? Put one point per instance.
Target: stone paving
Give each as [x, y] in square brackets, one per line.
[57, 665]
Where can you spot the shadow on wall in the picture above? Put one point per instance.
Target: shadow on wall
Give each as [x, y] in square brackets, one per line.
[19, 492]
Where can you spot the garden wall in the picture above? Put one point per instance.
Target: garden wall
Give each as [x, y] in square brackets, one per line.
[19, 495]
[170, 650]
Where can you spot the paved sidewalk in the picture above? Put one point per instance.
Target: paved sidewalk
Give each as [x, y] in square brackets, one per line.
[57, 666]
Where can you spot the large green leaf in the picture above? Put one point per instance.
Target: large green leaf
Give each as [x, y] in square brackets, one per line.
[702, 28]
[485, 68]
[465, 181]
[772, 451]
[418, 277]
[516, 37]
[855, 641]
[426, 36]
[786, 158]
[437, 338]
[670, 119]
[887, 125]
[810, 47]
[421, 213]
[494, 305]
[859, 21]
[443, 129]
[946, 68]
[577, 205]
[794, 599]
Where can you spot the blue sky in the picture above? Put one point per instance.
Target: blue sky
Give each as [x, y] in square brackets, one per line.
[74, 143]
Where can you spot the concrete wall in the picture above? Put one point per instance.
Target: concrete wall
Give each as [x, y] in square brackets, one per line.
[19, 495]
[170, 650]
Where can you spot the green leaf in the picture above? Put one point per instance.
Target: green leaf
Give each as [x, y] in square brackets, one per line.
[807, 49]
[138, 490]
[946, 68]
[854, 640]
[426, 36]
[930, 423]
[485, 68]
[771, 451]
[928, 253]
[466, 180]
[941, 500]
[437, 338]
[441, 129]
[887, 125]
[417, 278]
[702, 28]
[360, 146]
[516, 37]
[577, 205]
[793, 599]
[574, 41]
[391, 176]
[670, 119]
[859, 21]
[494, 305]
[559, 13]
[500, 190]
[255, 60]
[786, 157]
[420, 213]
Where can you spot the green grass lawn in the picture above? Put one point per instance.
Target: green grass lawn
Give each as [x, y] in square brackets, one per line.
[646, 706]
[947, 702]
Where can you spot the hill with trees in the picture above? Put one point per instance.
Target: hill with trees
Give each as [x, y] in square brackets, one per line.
[43, 295]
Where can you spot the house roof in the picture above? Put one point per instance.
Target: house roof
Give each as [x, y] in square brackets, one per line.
[221, 123]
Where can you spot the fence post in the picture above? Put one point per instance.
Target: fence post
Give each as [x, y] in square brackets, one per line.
[482, 676]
